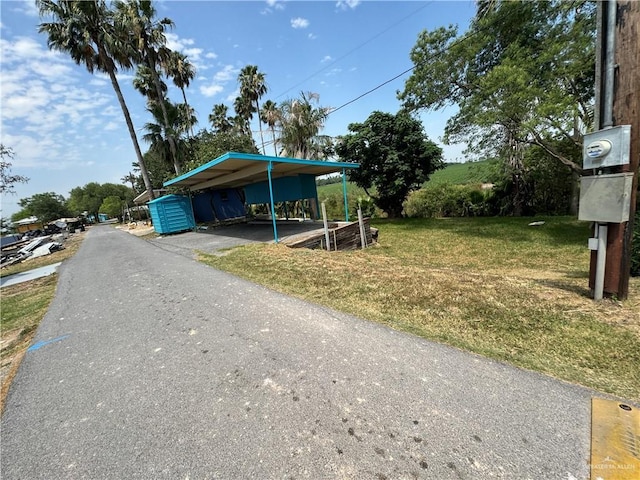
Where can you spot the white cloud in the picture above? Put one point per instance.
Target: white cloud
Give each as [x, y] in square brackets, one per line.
[312, 36]
[28, 7]
[227, 73]
[273, 5]
[211, 90]
[187, 47]
[299, 22]
[174, 42]
[327, 58]
[220, 79]
[45, 97]
[345, 4]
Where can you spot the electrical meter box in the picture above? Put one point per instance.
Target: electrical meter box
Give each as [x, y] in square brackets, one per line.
[605, 198]
[606, 148]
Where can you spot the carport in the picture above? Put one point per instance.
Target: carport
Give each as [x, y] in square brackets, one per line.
[264, 178]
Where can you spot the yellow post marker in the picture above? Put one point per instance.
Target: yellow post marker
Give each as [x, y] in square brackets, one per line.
[615, 440]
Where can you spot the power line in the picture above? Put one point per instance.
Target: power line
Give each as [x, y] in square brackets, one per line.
[355, 48]
[431, 57]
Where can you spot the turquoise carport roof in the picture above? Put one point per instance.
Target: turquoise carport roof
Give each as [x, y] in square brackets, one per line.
[234, 169]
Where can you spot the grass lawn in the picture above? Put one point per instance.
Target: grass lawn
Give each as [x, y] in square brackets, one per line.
[493, 286]
[23, 308]
[462, 173]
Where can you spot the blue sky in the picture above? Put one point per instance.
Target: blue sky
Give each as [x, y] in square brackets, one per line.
[66, 128]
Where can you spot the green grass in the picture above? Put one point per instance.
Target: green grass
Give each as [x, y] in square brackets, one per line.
[326, 191]
[23, 307]
[462, 173]
[492, 286]
[24, 304]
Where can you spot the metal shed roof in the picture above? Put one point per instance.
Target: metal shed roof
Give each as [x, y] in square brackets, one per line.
[238, 169]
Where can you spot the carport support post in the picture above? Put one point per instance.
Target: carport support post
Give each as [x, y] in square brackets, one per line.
[344, 193]
[273, 208]
[193, 214]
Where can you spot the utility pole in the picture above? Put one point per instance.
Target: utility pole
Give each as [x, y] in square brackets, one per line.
[625, 111]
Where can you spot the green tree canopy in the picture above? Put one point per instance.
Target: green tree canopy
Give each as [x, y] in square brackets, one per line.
[112, 206]
[521, 75]
[90, 197]
[395, 157]
[300, 122]
[47, 207]
[206, 146]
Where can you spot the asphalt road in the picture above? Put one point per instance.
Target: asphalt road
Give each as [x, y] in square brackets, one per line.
[159, 367]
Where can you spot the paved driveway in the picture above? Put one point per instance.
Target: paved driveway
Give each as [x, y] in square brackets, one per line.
[155, 366]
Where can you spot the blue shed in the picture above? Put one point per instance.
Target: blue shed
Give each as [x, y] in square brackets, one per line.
[172, 214]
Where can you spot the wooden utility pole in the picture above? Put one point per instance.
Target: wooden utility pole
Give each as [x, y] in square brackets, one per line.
[626, 111]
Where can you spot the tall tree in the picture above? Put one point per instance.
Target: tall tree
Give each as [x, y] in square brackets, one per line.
[146, 34]
[143, 82]
[219, 118]
[182, 71]
[132, 179]
[166, 134]
[300, 124]
[47, 207]
[395, 157]
[86, 31]
[270, 114]
[252, 88]
[7, 179]
[244, 113]
[521, 75]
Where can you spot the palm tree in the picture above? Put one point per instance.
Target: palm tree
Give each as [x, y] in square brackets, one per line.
[162, 135]
[181, 71]
[137, 17]
[219, 118]
[130, 178]
[244, 113]
[271, 115]
[252, 88]
[143, 82]
[300, 124]
[86, 31]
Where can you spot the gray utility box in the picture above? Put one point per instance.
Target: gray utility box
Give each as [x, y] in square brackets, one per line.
[605, 198]
[606, 148]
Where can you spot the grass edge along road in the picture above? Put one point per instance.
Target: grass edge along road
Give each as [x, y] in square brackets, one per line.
[23, 307]
[493, 286]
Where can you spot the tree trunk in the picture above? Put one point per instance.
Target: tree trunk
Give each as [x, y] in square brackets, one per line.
[260, 126]
[575, 193]
[132, 133]
[151, 63]
[275, 148]
[184, 96]
[515, 164]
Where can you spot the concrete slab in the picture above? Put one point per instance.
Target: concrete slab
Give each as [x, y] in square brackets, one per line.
[216, 239]
[28, 275]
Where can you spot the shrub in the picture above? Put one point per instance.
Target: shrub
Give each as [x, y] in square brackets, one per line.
[446, 200]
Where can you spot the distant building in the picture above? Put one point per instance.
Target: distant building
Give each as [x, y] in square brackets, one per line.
[26, 224]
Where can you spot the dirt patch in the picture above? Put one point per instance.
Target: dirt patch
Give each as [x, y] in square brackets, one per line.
[139, 229]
